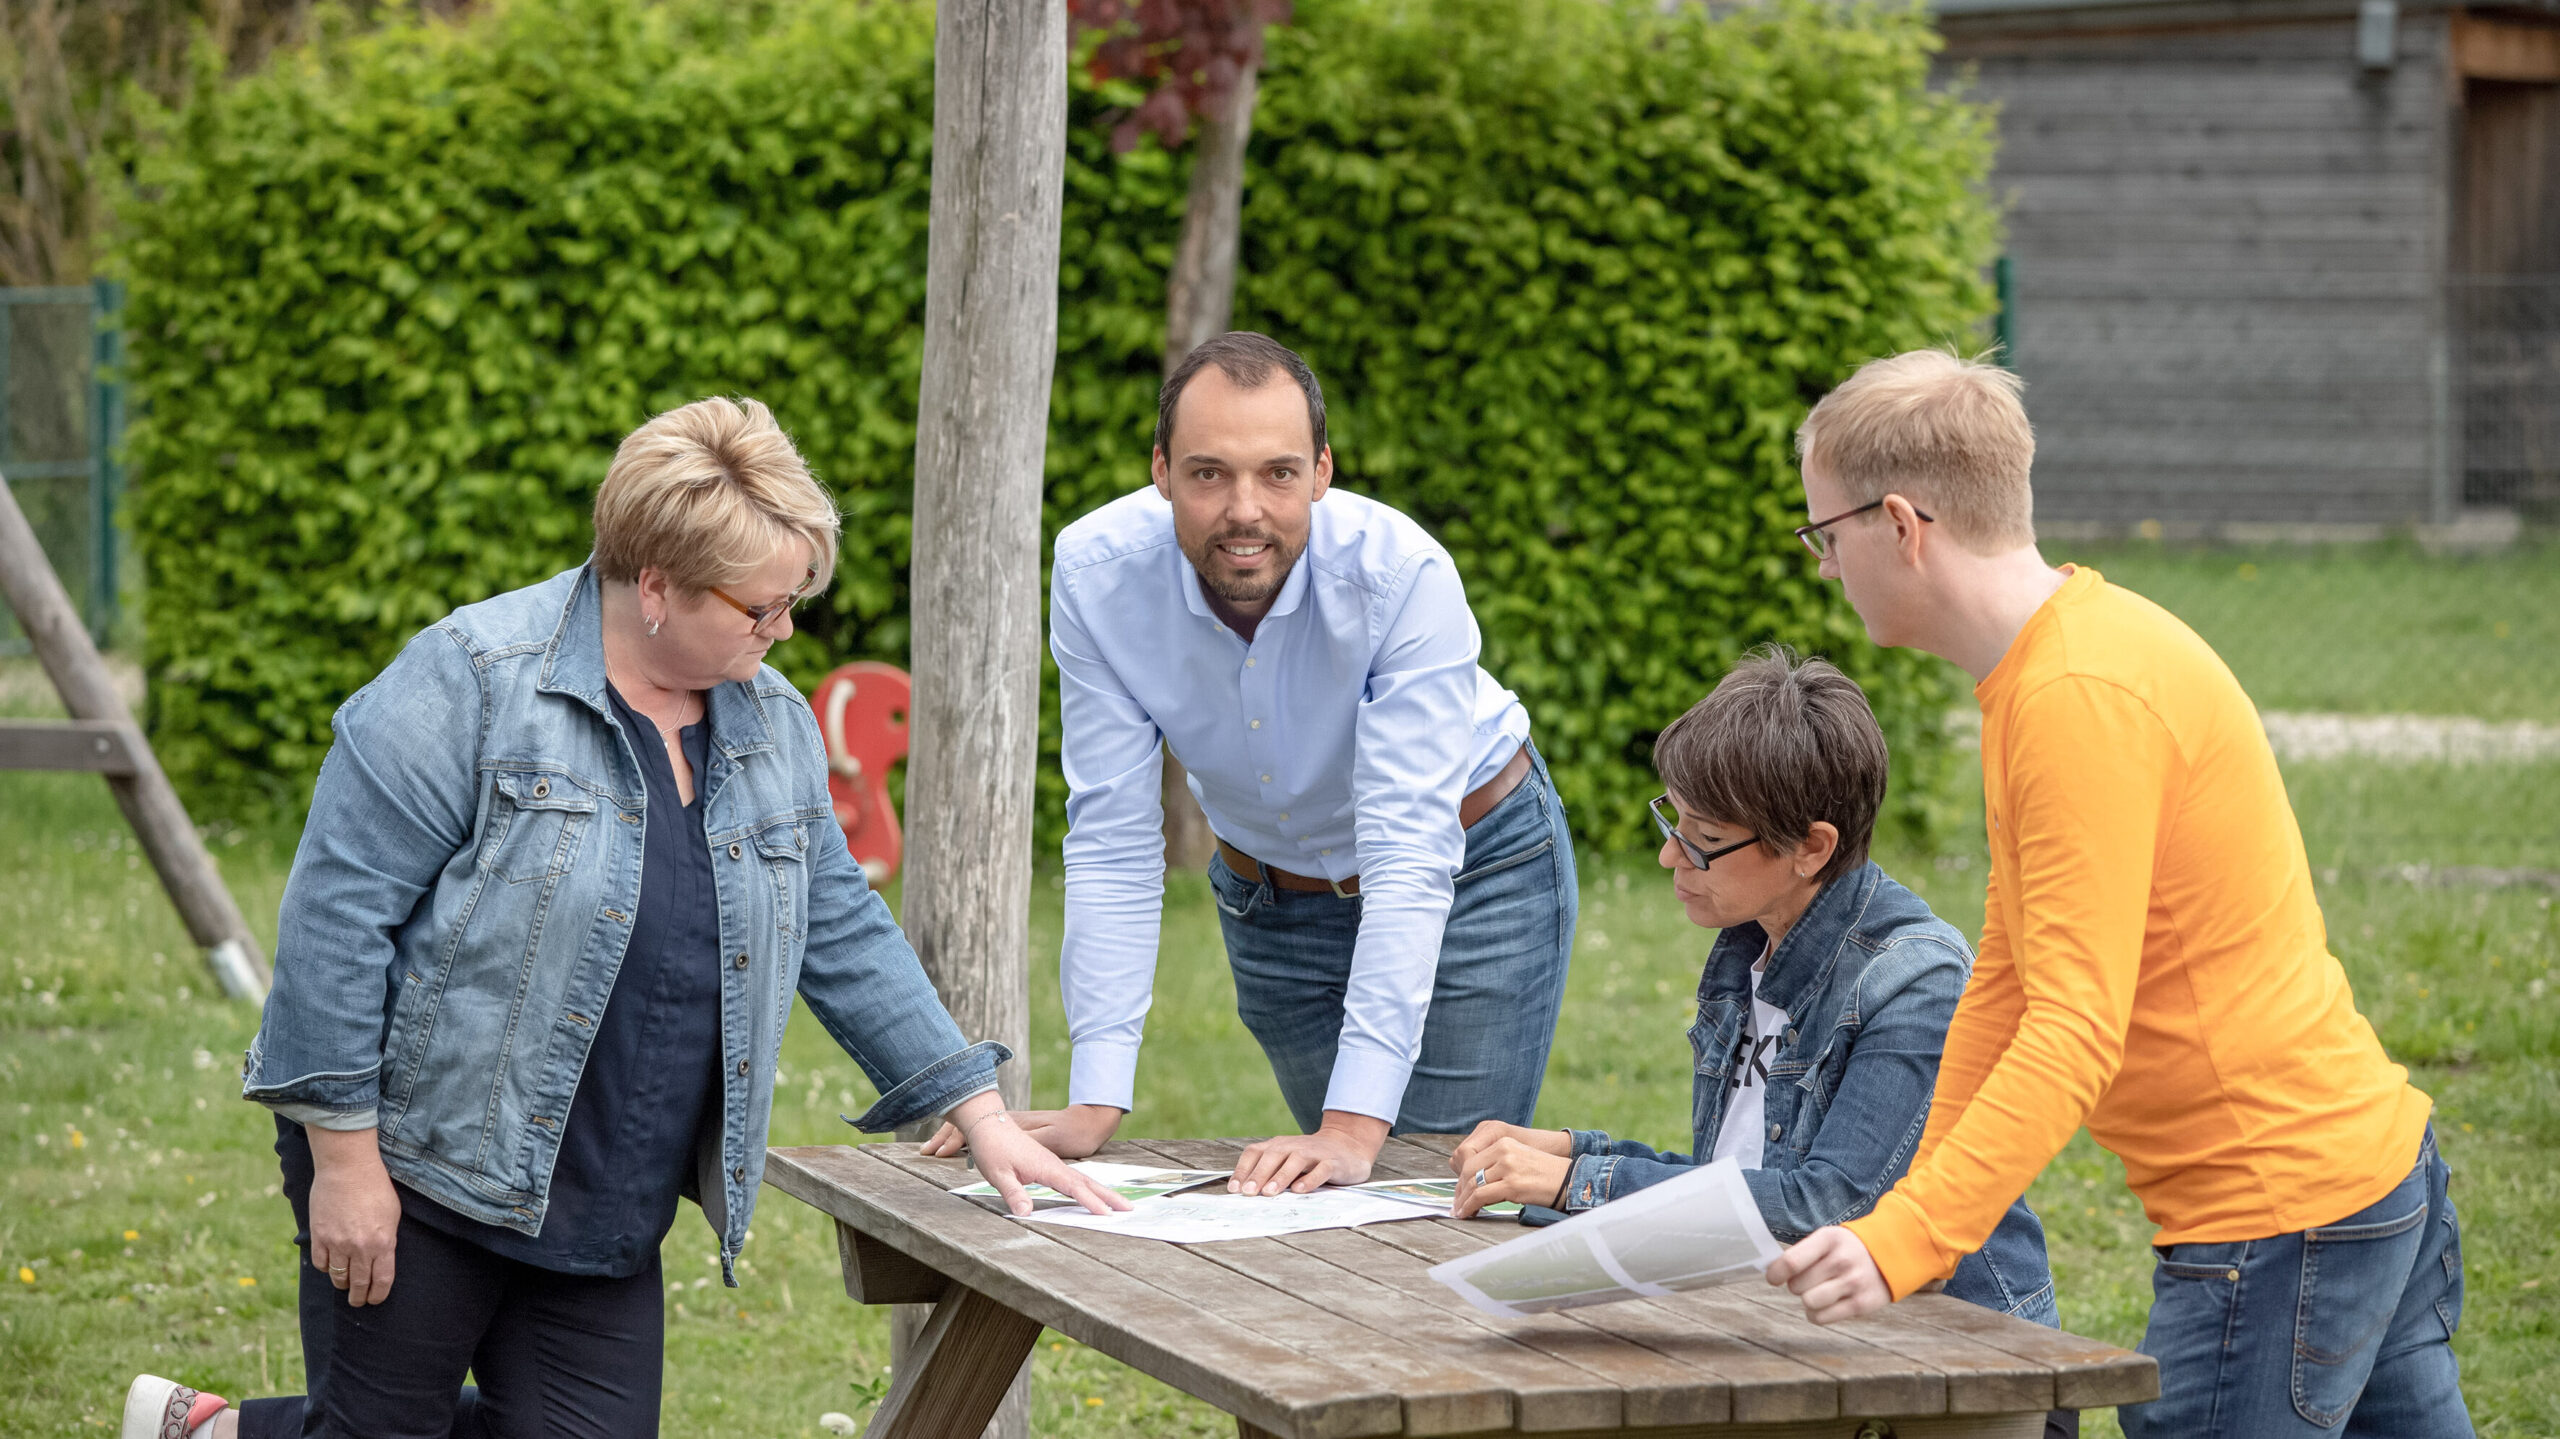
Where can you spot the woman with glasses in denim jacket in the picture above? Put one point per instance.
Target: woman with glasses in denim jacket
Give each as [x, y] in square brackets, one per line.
[567, 863]
[1824, 1002]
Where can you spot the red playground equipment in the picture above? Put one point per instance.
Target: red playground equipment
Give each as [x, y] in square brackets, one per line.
[862, 717]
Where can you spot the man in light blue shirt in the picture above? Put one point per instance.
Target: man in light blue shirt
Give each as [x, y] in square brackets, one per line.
[1394, 875]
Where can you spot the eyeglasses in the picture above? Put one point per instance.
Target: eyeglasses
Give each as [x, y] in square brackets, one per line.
[762, 615]
[1667, 819]
[1817, 537]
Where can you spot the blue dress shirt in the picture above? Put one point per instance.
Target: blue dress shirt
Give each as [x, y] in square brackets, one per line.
[1338, 742]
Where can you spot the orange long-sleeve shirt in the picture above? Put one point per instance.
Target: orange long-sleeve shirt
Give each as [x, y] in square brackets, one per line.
[2153, 962]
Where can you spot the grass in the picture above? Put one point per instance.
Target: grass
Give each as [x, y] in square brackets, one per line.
[140, 1227]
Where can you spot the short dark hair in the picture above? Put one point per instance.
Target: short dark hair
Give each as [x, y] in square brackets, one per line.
[1248, 358]
[1783, 741]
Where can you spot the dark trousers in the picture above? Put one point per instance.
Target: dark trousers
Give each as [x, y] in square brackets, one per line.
[559, 1356]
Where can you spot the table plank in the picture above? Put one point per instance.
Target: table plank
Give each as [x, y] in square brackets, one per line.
[1440, 1396]
[1980, 1379]
[1588, 1379]
[1227, 1363]
[1764, 1385]
[2087, 1374]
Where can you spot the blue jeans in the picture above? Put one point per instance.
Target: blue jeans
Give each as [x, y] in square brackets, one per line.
[2343, 1329]
[1494, 999]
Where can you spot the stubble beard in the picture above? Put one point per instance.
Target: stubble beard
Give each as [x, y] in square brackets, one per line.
[1237, 589]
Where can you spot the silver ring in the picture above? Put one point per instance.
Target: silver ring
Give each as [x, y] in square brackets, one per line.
[1479, 1179]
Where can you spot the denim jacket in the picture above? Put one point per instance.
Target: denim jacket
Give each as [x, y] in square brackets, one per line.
[1869, 980]
[465, 886]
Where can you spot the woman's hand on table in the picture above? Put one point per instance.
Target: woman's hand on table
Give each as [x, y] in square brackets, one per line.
[1832, 1272]
[355, 1213]
[1009, 1159]
[1074, 1132]
[1342, 1151]
[1519, 1166]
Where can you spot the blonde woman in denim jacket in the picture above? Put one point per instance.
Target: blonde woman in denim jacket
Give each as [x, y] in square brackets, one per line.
[568, 861]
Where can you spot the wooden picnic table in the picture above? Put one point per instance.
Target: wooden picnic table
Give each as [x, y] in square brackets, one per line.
[1341, 1334]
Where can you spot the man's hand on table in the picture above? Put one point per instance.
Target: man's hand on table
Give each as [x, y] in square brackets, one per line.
[1831, 1271]
[1341, 1151]
[1074, 1132]
[1010, 1158]
[1511, 1162]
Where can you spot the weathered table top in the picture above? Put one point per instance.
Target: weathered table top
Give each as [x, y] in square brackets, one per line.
[1340, 1333]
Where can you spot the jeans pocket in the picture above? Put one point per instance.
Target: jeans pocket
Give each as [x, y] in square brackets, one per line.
[1235, 894]
[2353, 1274]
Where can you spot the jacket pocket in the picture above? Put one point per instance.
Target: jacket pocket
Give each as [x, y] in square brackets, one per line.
[536, 822]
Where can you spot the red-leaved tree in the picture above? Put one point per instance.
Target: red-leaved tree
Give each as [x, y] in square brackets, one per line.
[1202, 58]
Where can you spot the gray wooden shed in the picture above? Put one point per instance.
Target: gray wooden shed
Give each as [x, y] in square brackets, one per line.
[2278, 263]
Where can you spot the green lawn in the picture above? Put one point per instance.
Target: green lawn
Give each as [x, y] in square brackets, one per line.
[140, 1227]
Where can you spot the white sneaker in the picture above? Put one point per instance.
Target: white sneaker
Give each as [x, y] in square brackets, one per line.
[157, 1408]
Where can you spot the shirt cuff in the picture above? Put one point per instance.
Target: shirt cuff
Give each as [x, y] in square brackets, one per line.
[321, 1116]
[1896, 1234]
[1367, 1082]
[1103, 1073]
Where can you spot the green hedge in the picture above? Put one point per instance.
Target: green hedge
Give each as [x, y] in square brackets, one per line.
[1571, 271]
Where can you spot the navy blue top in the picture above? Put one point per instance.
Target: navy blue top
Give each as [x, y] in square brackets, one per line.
[654, 1067]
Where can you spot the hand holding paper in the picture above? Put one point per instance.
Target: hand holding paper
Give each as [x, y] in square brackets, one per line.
[1831, 1271]
[1700, 1229]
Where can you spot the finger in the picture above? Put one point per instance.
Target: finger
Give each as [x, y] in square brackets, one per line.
[358, 1280]
[946, 1141]
[330, 1262]
[378, 1283]
[1010, 1190]
[1833, 1300]
[1091, 1195]
[1255, 1165]
[1314, 1172]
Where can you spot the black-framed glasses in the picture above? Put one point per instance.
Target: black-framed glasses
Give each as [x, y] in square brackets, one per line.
[1666, 819]
[762, 615]
[1817, 536]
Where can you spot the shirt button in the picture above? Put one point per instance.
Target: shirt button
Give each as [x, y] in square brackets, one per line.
[1257, 724]
[735, 851]
[1248, 662]
[742, 1069]
[742, 961]
[1284, 814]
[1324, 851]
[1266, 779]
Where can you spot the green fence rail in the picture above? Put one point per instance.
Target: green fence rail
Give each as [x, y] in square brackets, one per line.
[61, 350]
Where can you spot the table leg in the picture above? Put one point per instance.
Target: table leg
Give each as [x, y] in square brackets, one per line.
[957, 1373]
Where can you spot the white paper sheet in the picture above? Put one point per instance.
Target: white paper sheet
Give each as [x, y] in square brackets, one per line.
[1136, 1183]
[1692, 1232]
[1207, 1218]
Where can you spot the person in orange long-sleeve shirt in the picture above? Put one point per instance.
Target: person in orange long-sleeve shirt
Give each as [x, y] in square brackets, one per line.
[2153, 960]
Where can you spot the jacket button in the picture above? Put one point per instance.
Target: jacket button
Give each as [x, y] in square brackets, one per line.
[739, 1174]
[742, 1069]
[1775, 1130]
[734, 851]
[1791, 1036]
[742, 961]
[542, 789]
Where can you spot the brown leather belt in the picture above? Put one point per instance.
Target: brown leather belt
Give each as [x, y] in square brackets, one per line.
[1478, 803]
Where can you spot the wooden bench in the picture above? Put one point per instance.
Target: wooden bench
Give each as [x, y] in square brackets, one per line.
[1341, 1334]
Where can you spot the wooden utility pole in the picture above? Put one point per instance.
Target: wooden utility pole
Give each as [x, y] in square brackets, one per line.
[102, 737]
[982, 427]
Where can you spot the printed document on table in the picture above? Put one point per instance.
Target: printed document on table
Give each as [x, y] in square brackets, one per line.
[1207, 1218]
[1133, 1182]
[1441, 1194]
[1698, 1230]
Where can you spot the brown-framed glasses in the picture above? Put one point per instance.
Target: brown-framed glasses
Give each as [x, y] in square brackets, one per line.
[1817, 536]
[762, 615]
[1666, 819]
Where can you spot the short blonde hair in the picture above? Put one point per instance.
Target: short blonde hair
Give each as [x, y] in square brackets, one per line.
[1944, 432]
[707, 494]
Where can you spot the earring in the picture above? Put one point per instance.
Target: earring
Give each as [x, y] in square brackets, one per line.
[653, 628]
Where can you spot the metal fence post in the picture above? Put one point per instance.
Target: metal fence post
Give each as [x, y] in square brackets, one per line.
[106, 435]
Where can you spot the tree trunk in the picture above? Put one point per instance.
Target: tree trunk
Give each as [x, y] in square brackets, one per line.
[1199, 301]
[982, 420]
